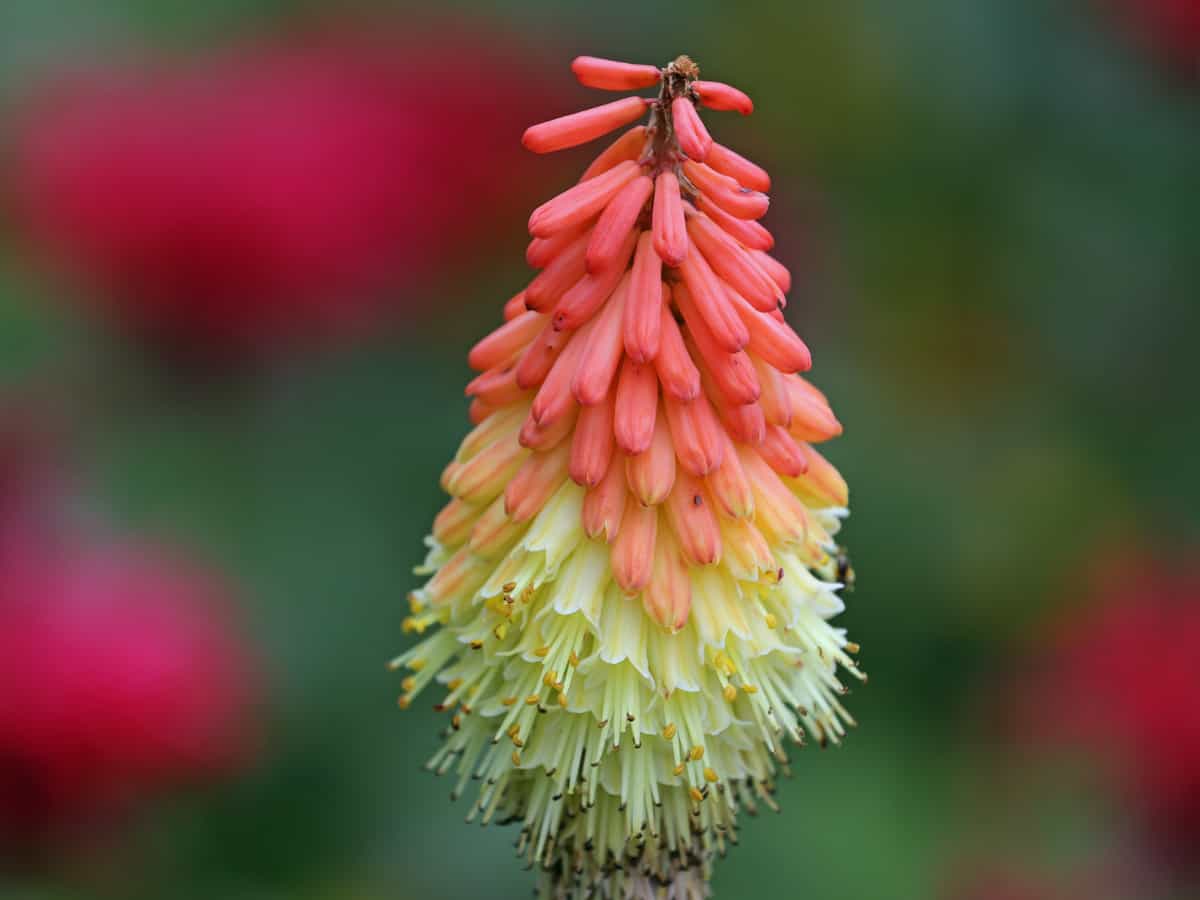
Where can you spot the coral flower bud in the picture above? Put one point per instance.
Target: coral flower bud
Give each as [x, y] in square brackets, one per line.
[670, 229]
[628, 146]
[694, 139]
[773, 395]
[453, 524]
[739, 202]
[554, 398]
[716, 95]
[535, 482]
[515, 306]
[504, 343]
[668, 596]
[705, 300]
[592, 445]
[540, 356]
[695, 433]
[609, 75]
[733, 264]
[636, 400]
[729, 485]
[580, 203]
[737, 167]
[616, 222]
[581, 127]
[633, 551]
[604, 507]
[690, 514]
[559, 275]
[542, 251]
[782, 453]
[775, 269]
[651, 473]
[633, 582]
[750, 234]
[643, 308]
[580, 303]
[676, 370]
[602, 355]
[771, 338]
[810, 419]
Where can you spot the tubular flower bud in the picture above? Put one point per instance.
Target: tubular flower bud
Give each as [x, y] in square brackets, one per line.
[630, 590]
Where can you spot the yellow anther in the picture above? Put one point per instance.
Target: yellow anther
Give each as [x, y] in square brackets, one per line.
[852, 647]
[724, 663]
[542, 652]
[573, 659]
[416, 604]
[408, 685]
[678, 770]
[548, 679]
[417, 665]
[476, 645]
[517, 742]
[730, 693]
[408, 626]
[668, 733]
[501, 631]
[710, 776]
[456, 722]
[696, 795]
[563, 700]
[697, 753]
[513, 730]
[533, 700]
[750, 688]
[455, 684]
[772, 622]
[404, 702]
[516, 758]
[509, 701]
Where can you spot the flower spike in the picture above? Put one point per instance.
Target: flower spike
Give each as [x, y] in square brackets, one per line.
[629, 590]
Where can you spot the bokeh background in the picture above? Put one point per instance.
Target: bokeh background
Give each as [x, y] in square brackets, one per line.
[245, 245]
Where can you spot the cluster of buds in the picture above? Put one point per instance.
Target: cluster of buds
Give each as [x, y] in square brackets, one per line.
[631, 587]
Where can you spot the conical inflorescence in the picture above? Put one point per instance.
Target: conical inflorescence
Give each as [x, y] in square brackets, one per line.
[627, 614]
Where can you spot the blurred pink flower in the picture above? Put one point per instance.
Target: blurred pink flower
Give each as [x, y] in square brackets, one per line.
[271, 193]
[1172, 26]
[1124, 681]
[1000, 882]
[119, 674]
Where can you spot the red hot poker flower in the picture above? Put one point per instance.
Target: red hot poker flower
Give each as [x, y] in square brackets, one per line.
[630, 591]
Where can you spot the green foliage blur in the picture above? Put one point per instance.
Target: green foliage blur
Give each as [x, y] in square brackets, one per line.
[993, 208]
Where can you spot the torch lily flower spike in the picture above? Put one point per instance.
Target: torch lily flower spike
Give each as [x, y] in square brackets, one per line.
[627, 612]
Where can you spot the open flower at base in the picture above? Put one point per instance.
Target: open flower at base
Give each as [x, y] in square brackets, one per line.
[627, 615]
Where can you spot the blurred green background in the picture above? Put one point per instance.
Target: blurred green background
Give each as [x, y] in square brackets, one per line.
[993, 209]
